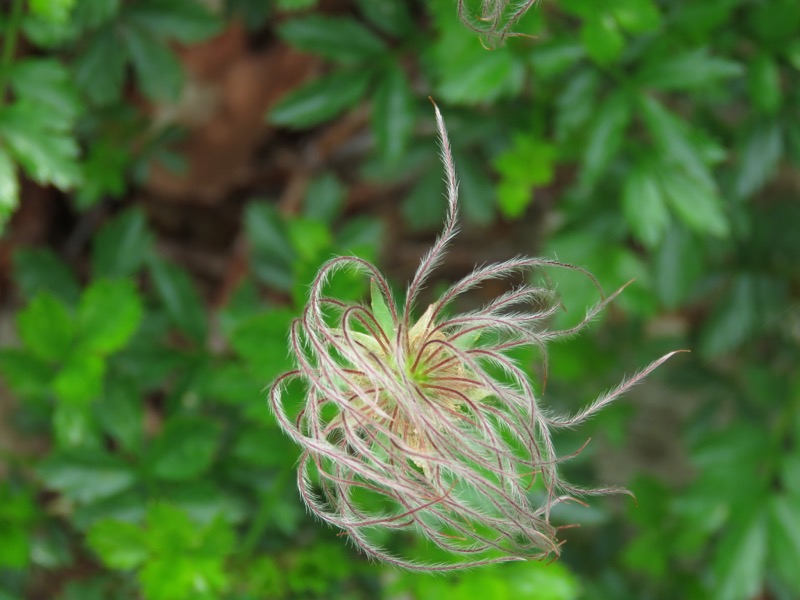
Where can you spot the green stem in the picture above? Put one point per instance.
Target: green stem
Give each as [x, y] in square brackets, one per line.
[9, 45]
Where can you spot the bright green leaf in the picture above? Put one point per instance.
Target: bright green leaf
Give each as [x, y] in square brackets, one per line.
[108, 315]
[528, 163]
[121, 245]
[180, 297]
[335, 38]
[321, 99]
[602, 38]
[644, 207]
[764, 83]
[9, 188]
[635, 16]
[80, 379]
[393, 113]
[119, 545]
[309, 238]
[55, 11]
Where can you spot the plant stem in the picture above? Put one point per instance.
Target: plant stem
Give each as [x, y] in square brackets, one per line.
[9, 45]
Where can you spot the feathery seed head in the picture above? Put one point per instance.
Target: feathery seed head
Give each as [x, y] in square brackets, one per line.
[428, 424]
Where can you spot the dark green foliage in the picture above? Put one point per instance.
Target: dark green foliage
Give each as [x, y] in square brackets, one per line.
[642, 139]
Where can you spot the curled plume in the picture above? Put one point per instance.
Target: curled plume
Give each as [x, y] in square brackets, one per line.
[429, 425]
[496, 18]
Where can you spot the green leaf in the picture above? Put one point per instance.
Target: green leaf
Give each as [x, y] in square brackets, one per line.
[335, 38]
[764, 83]
[475, 189]
[636, 16]
[159, 72]
[100, 67]
[185, 448]
[46, 328]
[761, 152]
[390, 16]
[121, 245]
[55, 11]
[48, 83]
[40, 270]
[25, 375]
[188, 21]
[605, 136]
[321, 99]
[699, 207]
[273, 255]
[85, 476]
[180, 298]
[324, 198]
[644, 207]
[9, 188]
[677, 270]
[425, 205]
[121, 413]
[261, 341]
[602, 38]
[119, 545]
[528, 163]
[784, 539]
[577, 102]
[690, 70]
[108, 315]
[740, 560]
[80, 379]
[393, 113]
[39, 144]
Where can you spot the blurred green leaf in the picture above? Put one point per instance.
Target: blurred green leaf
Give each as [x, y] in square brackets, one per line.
[56, 11]
[636, 16]
[159, 72]
[48, 83]
[17, 518]
[40, 270]
[764, 83]
[426, 203]
[605, 136]
[697, 206]
[261, 342]
[108, 315]
[645, 207]
[46, 328]
[25, 375]
[185, 448]
[321, 99]
[188, 21]
[85, 476]
[739, 564]
[324, 198]
[528, 163]
[690, 70]
[335, 38]
[121, 245]
[390, 16]
[309, 238]
[784, 538]
[475, 189]
[180, 298]
[677, 266]
[80, 379]
[602, 38]
[273, 255]
[119, 545]
[9, 188]
[100, 67]
[761, 152]
[393, 113]
[121, 413]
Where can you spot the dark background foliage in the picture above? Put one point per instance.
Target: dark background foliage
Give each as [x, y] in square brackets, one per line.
[173, 172]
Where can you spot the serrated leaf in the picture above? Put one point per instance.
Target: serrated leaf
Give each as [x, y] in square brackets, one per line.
[605, 136]
[644, 207]
[784, 539]
[690, 70]
[100, 67]
[40, 270]
[108, 314]
[119, 545]
[699, 207]
[740, 560]
[48, 83]
[39, 144]
[180, 298]
[185, 448]
[159, 72]
[321, 99]
[336, 38]
[762, 150]
[121, 245]
[46, 328]
[188, 21]
[393, 113]
[85, 476]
